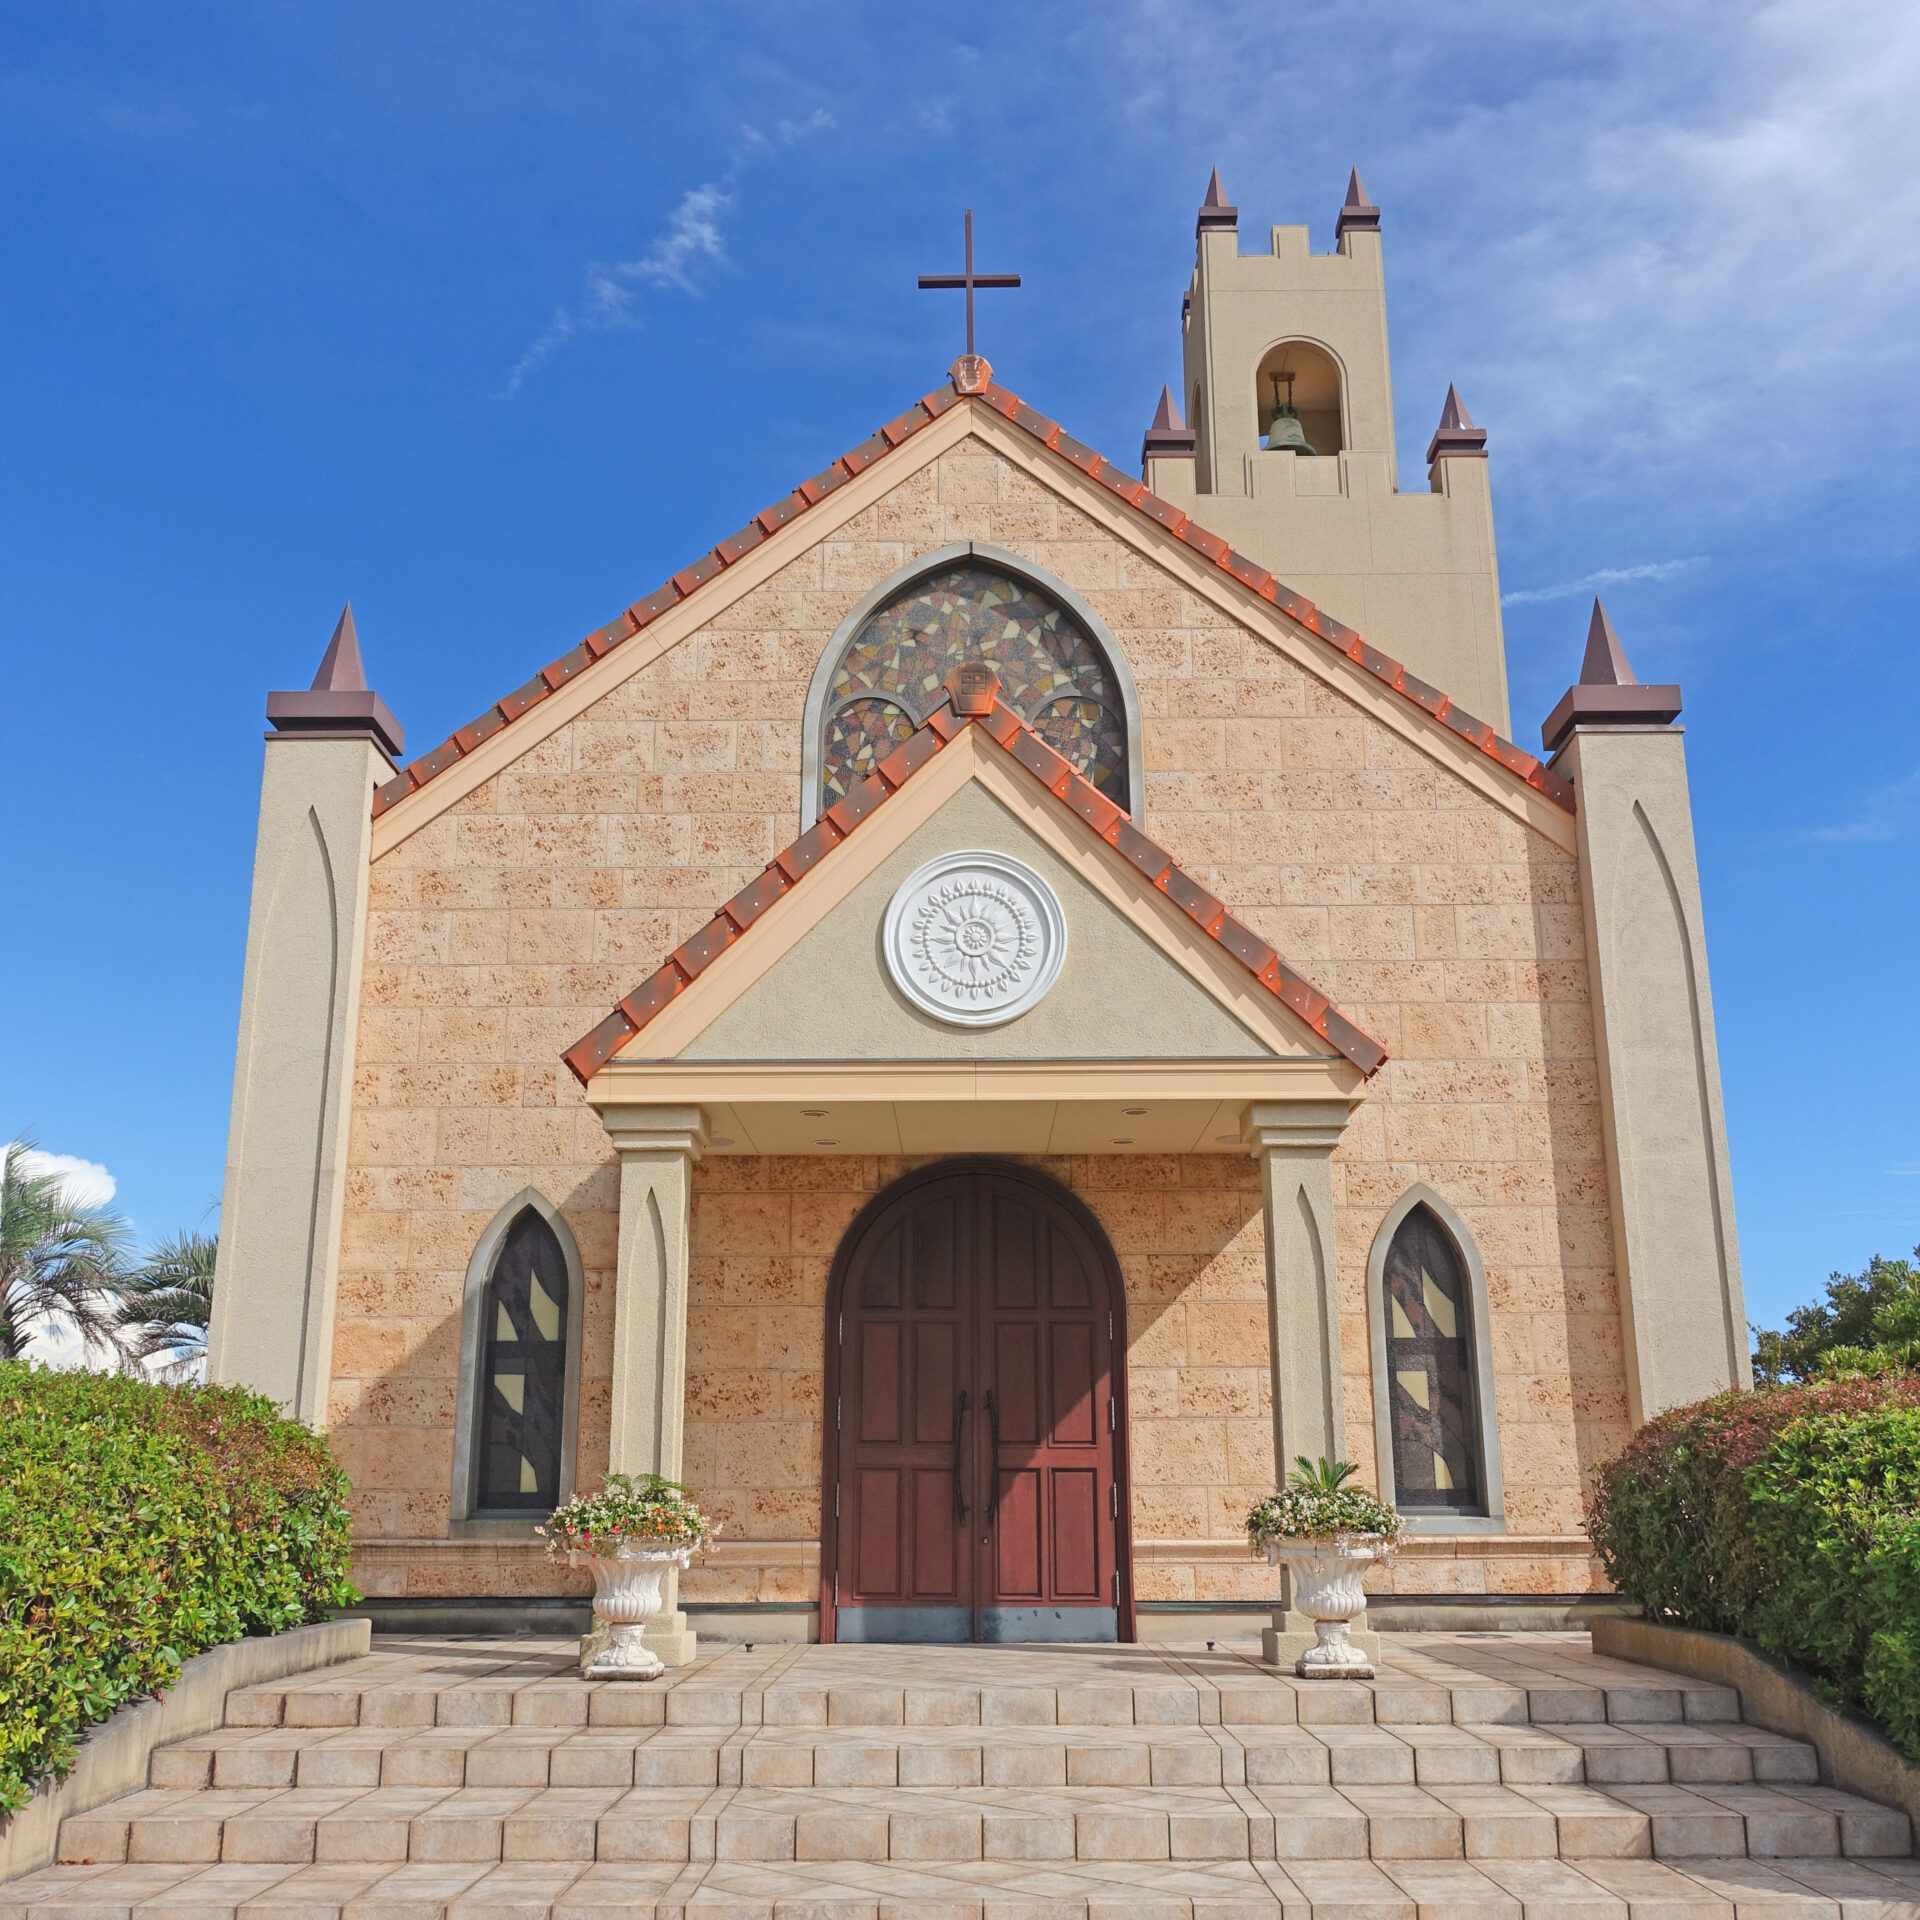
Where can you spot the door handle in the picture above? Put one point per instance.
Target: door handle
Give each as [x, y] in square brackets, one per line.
[959, 1492]
[993, 1422]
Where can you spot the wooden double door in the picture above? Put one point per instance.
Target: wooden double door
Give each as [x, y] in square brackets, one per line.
[974, 1468]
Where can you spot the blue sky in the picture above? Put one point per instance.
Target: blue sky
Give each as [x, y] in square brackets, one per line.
[490, 316]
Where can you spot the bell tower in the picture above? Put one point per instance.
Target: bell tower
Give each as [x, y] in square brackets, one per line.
[1286, 382]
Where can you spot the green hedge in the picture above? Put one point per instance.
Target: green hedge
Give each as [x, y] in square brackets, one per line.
[1790, 1516]
[138, 1525]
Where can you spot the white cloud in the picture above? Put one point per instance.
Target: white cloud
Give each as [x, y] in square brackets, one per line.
[694, 237]
[1593, 582]
[1890, 813]
[86, 1183]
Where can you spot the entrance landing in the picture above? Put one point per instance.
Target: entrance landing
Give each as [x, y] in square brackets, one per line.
[1480, 1777]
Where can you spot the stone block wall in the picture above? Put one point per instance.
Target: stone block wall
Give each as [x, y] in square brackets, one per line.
[505, 927]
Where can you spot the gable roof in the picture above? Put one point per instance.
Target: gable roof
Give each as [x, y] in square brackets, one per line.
[971, 381]
[973, 699]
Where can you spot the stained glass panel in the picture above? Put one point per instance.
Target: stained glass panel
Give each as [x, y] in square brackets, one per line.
[1052, 673]
[523, 1372]
[1430, 1386]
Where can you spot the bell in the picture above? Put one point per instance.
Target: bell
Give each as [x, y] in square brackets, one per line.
[1285, 434]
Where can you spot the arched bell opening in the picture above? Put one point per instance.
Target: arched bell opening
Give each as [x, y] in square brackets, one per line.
[1298, 387]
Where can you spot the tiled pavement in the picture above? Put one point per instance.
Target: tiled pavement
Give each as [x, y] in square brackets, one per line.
[1511, 1777]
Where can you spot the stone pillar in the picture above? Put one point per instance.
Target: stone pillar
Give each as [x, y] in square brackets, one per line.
[273, 1297]
[657, 1148]
[1294, 1142]
[1676, 1256]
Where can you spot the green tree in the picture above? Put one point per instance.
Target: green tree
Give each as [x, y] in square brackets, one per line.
[57, 1259]
[1869, 1323]
[167, 1299]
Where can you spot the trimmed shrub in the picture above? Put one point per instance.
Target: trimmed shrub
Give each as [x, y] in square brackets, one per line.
[1790, 1516]
[140, 1524]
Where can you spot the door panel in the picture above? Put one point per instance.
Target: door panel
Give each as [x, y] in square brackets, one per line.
[975, 1290]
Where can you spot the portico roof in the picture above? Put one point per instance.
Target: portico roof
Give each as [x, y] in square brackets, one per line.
[973, 704]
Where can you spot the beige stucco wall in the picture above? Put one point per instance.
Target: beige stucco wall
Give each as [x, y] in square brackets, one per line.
[509, 924]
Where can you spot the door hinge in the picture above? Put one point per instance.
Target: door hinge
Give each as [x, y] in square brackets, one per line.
[1109, 1326]
[836, 1510]
[1113, 1414]
[1113, 1505]
[836, 1409]
[1116, 1586]
[840, 1331]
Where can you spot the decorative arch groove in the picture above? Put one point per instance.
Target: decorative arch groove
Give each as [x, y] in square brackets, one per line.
[1436, 1434]
[519, 1401]
[882, 673]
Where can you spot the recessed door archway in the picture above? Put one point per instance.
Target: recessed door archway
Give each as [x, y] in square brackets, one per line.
[974, 1446]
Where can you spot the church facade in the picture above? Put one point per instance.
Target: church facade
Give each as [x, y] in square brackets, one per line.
[975, 1024]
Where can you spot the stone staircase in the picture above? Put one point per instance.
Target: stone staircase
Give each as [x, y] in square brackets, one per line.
[1480, 1777]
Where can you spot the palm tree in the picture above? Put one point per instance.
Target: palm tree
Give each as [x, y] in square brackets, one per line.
[166, 1300]
[58, 1260]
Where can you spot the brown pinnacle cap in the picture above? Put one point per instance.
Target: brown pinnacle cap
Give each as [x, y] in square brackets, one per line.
[1215, 214]
[1456, 437]
[1358, 214]
[1608, 694]
[339, 705]
[1168, 437]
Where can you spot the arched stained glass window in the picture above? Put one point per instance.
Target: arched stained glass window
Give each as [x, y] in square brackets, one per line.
[1430, 1385]
[523, 1372]
[1052, 673]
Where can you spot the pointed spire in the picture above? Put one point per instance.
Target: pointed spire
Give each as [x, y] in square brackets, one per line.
[339, 705]
[1607, 694]
[1606, 661]
[1456, 437]
[340, 668]
[1217, 215]
[1358, 214]
[1168, 437]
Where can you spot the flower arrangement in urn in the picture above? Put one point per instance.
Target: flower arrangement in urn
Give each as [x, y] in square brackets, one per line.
[629, 1534]
[1326, 1533]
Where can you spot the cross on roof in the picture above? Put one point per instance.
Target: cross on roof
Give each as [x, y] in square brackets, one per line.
[969, 280]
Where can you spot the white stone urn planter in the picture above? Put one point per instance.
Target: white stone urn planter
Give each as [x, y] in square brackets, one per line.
[1326, 1588]
[627, 1594]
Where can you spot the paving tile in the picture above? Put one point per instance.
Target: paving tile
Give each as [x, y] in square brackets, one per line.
[558, 1823]
[628, 1891]
[1779, 1823]
[1654, 1891]
[1407, 1823]
[1867, 1829]
[1591, 1825]
[1498, 1823]
[1350, 1890]
[1451, 1890]
[1554, 1890]
[412, 1893]
[1684, 1822]
[1756, 1891]
[1313, 1823]
[1367, 1756]
[312, 1893]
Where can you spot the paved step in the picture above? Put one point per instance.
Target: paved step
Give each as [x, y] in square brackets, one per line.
[1478, 1775]
[1685, 1889]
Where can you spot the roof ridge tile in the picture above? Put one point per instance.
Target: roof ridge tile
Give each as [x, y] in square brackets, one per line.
[1058, 774]
[688, 580]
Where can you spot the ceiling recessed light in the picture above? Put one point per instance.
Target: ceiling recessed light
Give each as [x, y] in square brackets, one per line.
[1226, 1140]
[719, 1140]
[826, 1143]
[1122, 1142]
[1133, 1110]
[813, 1113]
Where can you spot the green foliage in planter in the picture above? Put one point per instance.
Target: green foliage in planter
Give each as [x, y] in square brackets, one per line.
[141, 1524]
[1789, 1516]
[648, 1509]
[1317, 1504]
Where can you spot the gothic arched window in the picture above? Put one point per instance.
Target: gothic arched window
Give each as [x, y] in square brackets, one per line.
[1432, 1395]
[522, 1387]
[1053, 673]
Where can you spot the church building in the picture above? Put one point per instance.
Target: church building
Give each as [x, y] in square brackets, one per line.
[1003, 1003]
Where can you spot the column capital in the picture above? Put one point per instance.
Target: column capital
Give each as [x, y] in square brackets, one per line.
[637, 1128]
[1310, 1125]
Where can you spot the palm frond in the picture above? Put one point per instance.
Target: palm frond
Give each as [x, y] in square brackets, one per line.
[167, 1300]
[58, 1260]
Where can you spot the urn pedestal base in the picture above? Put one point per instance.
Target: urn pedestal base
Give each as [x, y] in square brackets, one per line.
[633, 1635]
[669, 1639]
[1283, 1643]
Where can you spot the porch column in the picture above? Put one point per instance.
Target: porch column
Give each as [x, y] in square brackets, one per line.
[1294, 1143]
[657, 1148]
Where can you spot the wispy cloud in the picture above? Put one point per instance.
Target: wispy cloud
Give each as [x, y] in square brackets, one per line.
[1889, 813]
[694, 238]
[1606, 577]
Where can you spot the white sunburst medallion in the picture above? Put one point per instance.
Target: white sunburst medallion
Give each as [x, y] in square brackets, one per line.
[974, 938]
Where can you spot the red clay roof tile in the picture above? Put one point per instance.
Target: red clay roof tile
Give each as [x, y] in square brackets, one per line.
[945, 397]
[1005, 728]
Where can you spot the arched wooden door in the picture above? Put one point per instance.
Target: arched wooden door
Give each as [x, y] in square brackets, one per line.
[974, 1477]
